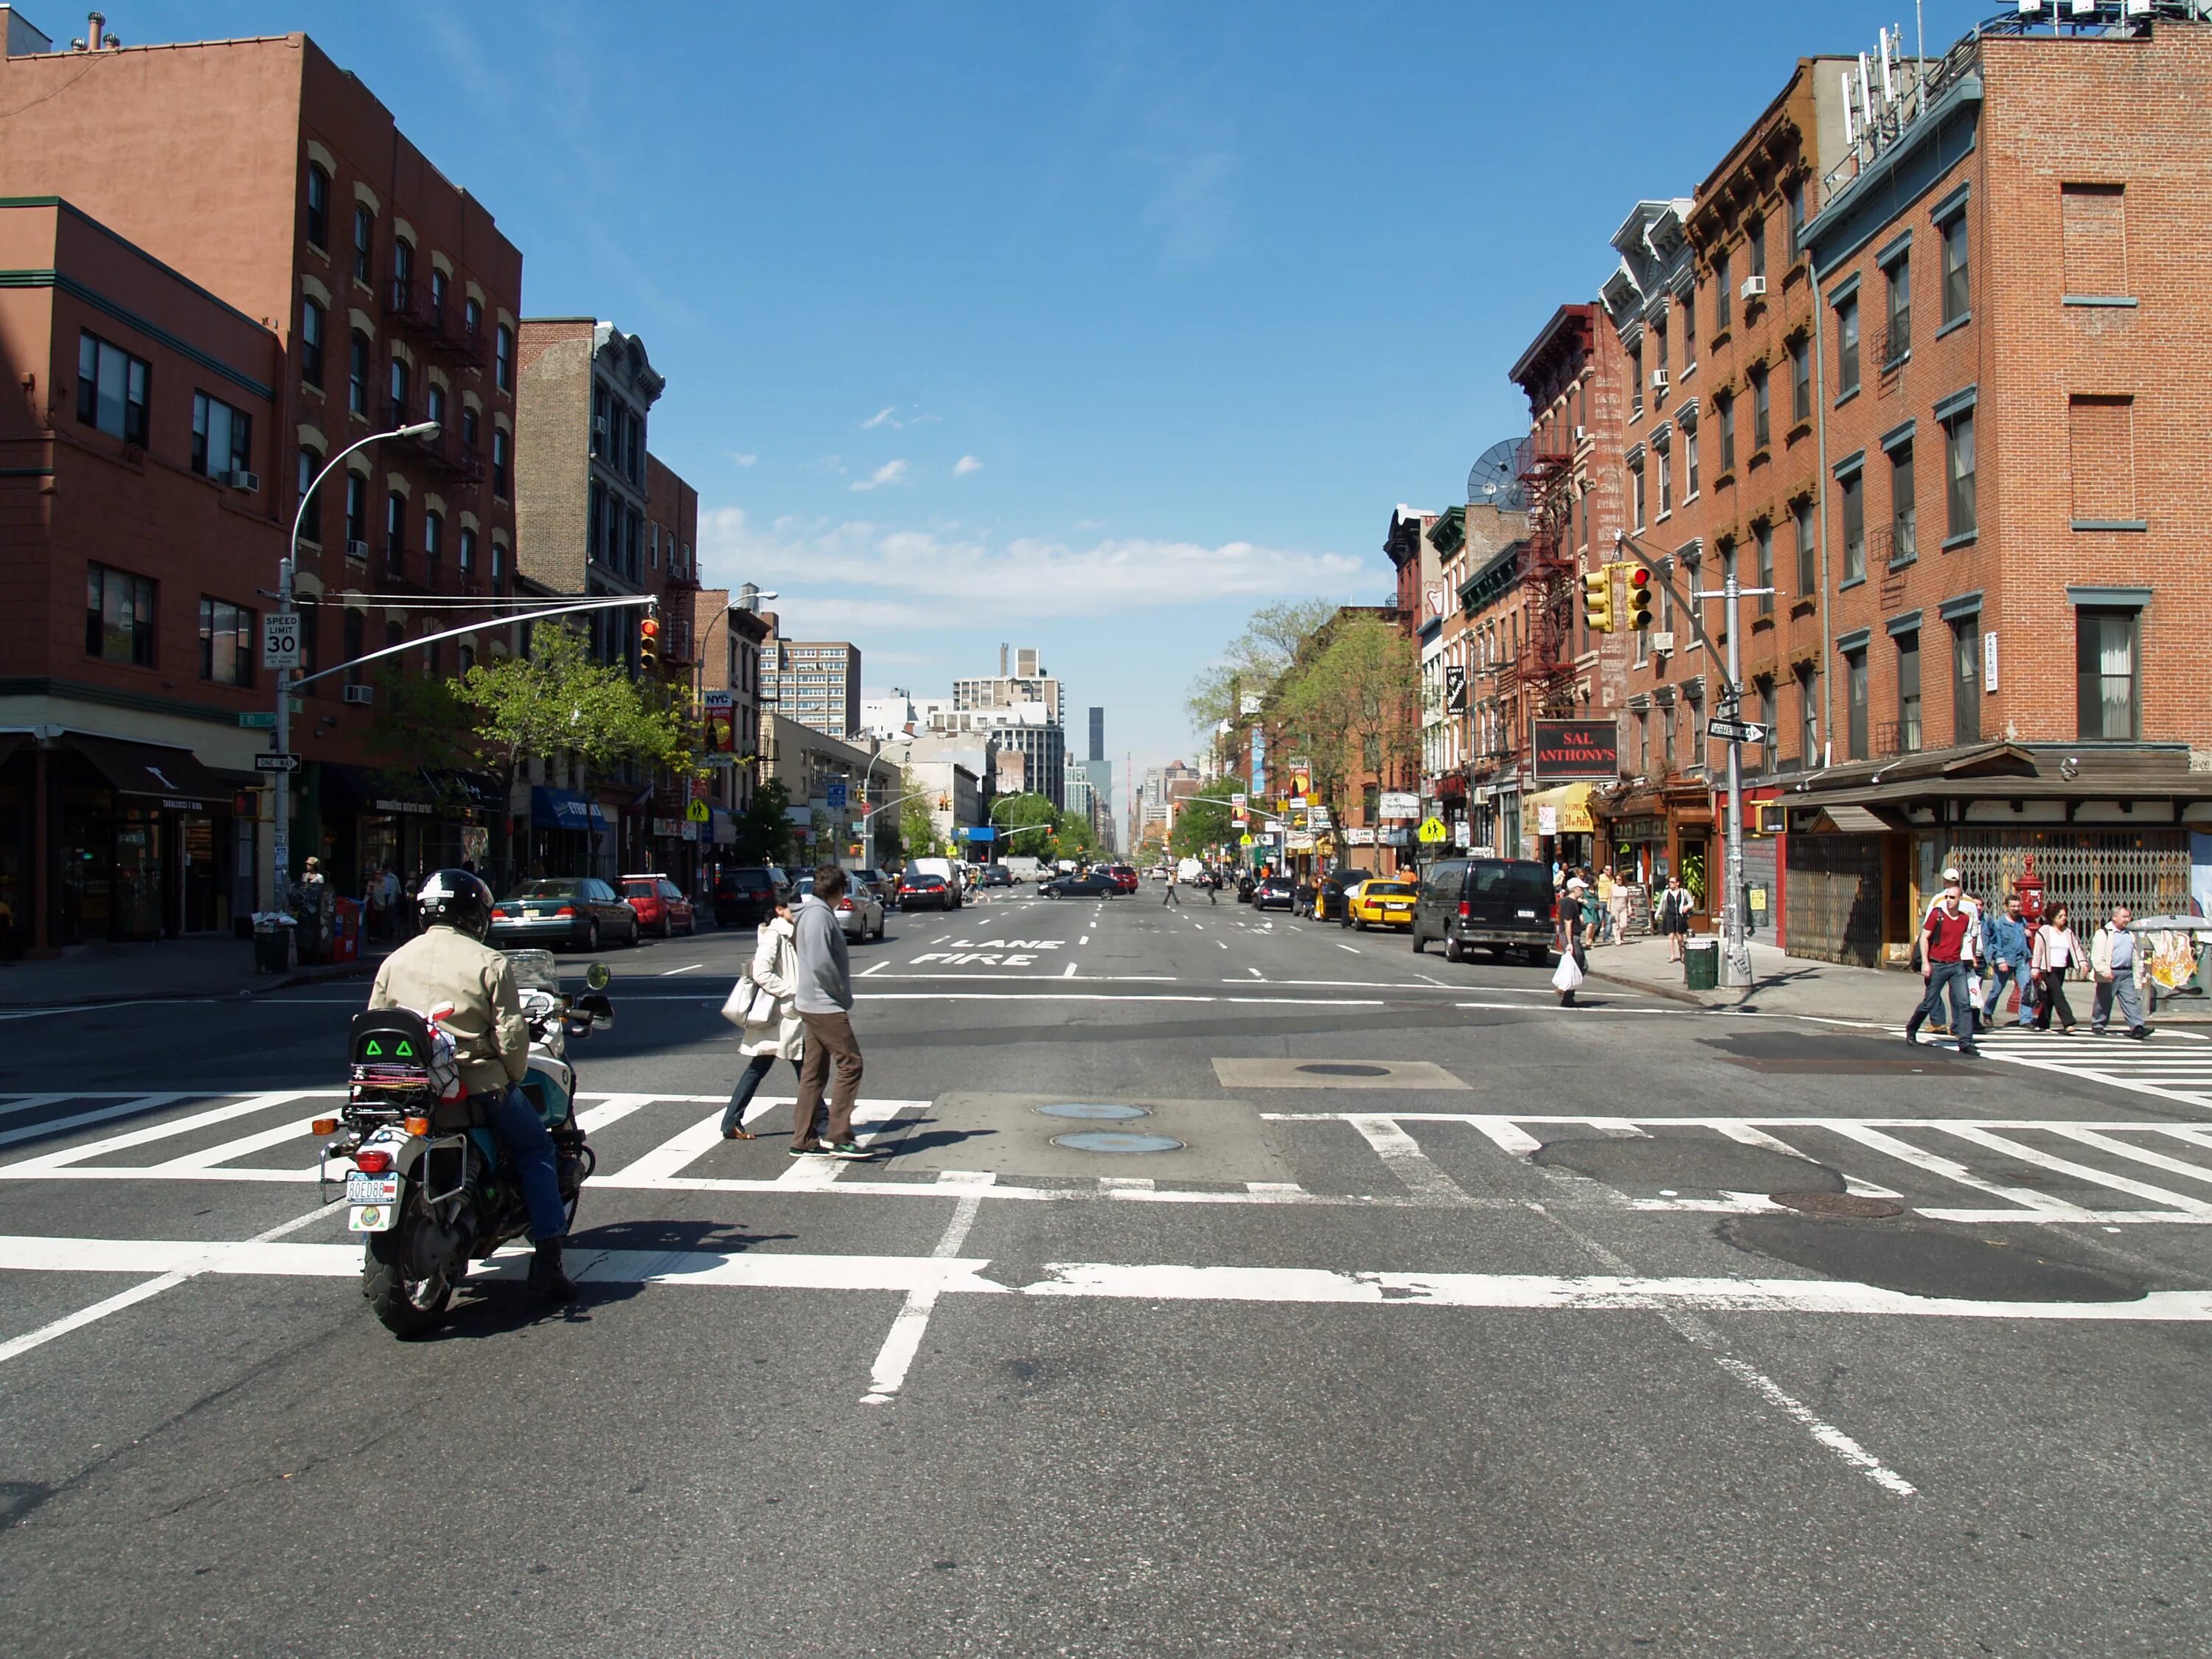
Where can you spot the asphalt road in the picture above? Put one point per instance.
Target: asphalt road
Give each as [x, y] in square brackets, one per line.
[1448, 1321]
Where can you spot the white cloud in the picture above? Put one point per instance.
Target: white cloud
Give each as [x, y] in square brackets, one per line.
[881, 417]
[739, 458]
[858, 576]
[966, 465]
[890, 472]
[888, 415]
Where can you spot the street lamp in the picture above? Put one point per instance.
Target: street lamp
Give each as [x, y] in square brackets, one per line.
[282, 789]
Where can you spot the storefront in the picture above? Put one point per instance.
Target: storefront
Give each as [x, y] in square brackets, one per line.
[1635, 839]
[1556, 823]
[569, 835]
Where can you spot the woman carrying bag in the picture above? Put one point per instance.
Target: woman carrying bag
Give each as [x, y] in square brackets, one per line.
[2055, 953]
[764, 1004]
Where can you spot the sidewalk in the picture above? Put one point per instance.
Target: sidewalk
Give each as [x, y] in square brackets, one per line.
[1784, 984]
[162, 970]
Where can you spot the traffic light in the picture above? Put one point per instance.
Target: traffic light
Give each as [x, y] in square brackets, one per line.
[1597, 600]
[648, 641]
[1639, 597]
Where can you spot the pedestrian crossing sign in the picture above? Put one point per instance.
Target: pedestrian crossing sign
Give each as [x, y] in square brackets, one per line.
[697, 811]
[1432, 831]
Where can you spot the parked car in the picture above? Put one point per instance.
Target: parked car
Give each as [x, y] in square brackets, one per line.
[1328, 895]
[925, 892]
[660, 905]
[1503, 903]
[1275, 893]
[1124, 876]
[1380, 901]
[745, 897]
[996, 875]
[554, 911]
[882, 888]
[859, 912]
[1094, 884]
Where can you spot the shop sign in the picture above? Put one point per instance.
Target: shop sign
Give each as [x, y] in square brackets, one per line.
[1639, 829]
[1397, 804]
[1399, 836]
[1575, 749]
[1300, 842]
[1547, 820]
[417, 808]
[1357, 838]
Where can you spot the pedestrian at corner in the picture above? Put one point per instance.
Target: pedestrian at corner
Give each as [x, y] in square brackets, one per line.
[773, 1029]
[1594, 914]
[2121, 970]
[1171, 898]
[1671, 916]
[2058, 953]
[823, 999]
[1574, 934]
[2006, 955]
[1945, 961]
[1606, 887]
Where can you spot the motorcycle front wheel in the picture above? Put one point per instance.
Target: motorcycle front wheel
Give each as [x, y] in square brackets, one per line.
[406, 1304]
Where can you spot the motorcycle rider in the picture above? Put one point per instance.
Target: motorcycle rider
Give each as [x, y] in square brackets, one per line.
[449, 962]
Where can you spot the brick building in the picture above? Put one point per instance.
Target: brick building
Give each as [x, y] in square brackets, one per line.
[391, 296]
[2013, 343]
[1457, 700]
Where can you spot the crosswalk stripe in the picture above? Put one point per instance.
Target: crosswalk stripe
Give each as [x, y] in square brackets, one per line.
[137, 1136]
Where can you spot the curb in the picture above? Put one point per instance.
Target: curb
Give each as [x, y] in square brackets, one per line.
[310, 976]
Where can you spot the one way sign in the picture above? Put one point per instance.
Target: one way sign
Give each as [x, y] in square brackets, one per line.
[1727, 729]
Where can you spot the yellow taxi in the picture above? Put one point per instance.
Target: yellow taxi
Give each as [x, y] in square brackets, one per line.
[1380, 901]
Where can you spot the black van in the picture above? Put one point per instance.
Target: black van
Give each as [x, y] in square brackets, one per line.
[1505, 904]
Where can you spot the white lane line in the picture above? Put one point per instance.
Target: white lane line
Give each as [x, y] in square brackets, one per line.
[1101, 996]
[1126, 1184]
[904, 1341]
[613, 1109]
[1905, 1152]
[2026, 1154]
[1069, 972]
[32, 1102]
[877, 968]
[1224, 944]
[167, 1280]
[1518, 1142]
[138, 1136]
[1085, 940]
[2138, 1154]
[1827, 1433]
[687, 967]
[1402, 1155]
[1354, 949]
[209, 1158]
[1744, 1134]
[1255, 972]
[1437, 983]
[672, 1156]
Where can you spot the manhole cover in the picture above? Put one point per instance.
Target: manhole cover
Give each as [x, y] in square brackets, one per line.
[1841, 1203]
[1331, 1068]
[1093, 1110]
[1116, 1140]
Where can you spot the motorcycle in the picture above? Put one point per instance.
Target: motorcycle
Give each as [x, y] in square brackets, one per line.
[427, 1182]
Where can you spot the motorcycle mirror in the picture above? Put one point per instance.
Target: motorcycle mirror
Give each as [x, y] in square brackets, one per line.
[599, 977]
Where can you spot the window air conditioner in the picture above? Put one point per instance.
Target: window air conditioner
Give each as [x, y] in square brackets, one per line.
[598, 426]
[1663, 642]
[248, 481]
[363, 696]
[1658, 379]
[1754, 287]
[357, 551]
[1582, 433]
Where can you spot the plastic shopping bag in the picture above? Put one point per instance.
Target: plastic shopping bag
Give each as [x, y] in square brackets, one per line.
[1566, 976]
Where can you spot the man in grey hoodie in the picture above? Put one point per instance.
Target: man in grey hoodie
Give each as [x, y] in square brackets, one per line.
[824, 1003]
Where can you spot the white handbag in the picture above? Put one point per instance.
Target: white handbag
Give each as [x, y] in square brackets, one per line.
[748, 1004]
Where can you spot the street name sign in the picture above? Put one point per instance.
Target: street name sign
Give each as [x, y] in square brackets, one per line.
[280, 640]
[270, 760]
[258, 719]
[1727, 729]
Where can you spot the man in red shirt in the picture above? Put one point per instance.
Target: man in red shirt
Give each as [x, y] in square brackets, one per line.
[1947, 957]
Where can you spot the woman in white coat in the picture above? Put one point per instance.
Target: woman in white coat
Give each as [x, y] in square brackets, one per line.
[768, 989]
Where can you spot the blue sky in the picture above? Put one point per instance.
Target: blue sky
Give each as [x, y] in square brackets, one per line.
[1086, 326]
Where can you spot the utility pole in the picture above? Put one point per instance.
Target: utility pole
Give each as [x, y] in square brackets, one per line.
[1735, 945]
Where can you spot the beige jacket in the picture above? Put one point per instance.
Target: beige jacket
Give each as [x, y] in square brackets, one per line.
[2100, 957]
[491, 1038]
[775, 968]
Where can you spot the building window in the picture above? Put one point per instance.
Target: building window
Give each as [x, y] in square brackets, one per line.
[1635, 380]
[1966, 679]
[2093, 226]
[1847, 347]
[1635, 474]
[1762, 535]
[1808, 558]
[1659, 347]
[1724, 412]
[1903, 521]
[595, 523]
[1665, 461]
[223, 438]
[434, 541]
[468, 552]
[402, 270]
[502, 357]
[1855, 672]
[111, 388]
[1954, 266]
[2110, 703]
[399, 388]
[2102, 455]
[1720, 296]
[1801, 379]
[364, 244]
[1770, 713]
[1958, 471]
[1667, 739]
[226, 642]
[1908, 693]
[319, 206]
[499, 462]
[1643, 744]
[471, 433]
[1689, 468]
[1761, 411]
[464, 661]
[311, 343]
[310, 520]
[434, 404]
[356, 516]
[1808, 720]
[1796, 219]
[472, 318]
[1853, 490]
[1897, 338]
[498, 563]
[437, 293]
[119, 617]
[1687, 301]
[357, 375]
[356, 645]
[395, 530]
[1754, 242]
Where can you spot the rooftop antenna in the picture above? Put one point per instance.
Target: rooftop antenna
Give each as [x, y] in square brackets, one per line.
[1850, 138]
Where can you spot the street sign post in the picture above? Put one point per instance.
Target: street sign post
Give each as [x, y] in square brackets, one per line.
[836, 793]
[270, 760]
[280, 640]
[1727, 728]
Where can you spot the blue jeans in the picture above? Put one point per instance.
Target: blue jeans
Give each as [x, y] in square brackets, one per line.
[1950, 976]
[1993, 987]
[514, 1120]
[749, 1081]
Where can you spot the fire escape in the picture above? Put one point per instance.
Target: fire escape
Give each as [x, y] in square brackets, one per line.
[1546, 466]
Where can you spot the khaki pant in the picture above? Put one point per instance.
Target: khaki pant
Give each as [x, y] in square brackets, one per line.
[829, 1037]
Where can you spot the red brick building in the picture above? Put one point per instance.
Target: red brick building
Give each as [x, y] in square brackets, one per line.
[390, 297]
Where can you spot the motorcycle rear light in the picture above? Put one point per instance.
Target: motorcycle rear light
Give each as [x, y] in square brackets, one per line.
[372, 1163]
[418, 1125]
[324, 1126]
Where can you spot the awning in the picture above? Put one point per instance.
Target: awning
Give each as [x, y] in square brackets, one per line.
[724, 826]
[564, 809]
[146, 771]
[1572, 801]
[9, 743]
[464, 790]
[374, 791]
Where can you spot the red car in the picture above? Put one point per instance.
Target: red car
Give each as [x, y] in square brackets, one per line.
[660, 905]
[1124, 876]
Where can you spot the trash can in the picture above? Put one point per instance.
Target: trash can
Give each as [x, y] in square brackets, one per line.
[276, 943]
[1701, 964]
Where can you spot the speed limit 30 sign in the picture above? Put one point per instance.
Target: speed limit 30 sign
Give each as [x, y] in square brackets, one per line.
[280, 640]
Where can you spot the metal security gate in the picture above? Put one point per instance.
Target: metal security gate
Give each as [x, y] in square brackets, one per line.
[1761, 893]
[2090, 870]
[1832, 900]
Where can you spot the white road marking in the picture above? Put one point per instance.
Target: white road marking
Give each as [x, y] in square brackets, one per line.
[129, 1107]
[32, 1102]
[136, 1137]
[687, 967]
[1255, 972]
[1402, 1155]
[1085, 940]
[1224, 944]
[1070, 972]
[896, 1356]
[877, 968]
[1827, 1433]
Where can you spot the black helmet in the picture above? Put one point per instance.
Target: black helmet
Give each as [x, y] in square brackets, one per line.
[459, 900]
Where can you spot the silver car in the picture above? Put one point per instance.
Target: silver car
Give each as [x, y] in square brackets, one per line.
[859, 913]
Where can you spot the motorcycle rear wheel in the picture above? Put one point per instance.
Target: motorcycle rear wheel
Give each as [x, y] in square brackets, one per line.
[406, 1307]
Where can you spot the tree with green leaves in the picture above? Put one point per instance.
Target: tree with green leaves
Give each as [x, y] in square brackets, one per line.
[1350, 706]
[1206, 820]
[917, 828]
[1253, 665]
[761, 833]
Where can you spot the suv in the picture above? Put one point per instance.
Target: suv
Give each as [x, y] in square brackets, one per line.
[1503, 903]
[880, 887]
[745, 897]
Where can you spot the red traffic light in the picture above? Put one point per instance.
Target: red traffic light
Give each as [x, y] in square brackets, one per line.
[649, 629]
[1639, 578]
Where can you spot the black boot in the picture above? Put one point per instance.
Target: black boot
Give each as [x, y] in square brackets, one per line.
[546, 1277]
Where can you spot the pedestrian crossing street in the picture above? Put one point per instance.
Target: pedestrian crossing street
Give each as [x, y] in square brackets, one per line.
[2025, 1168]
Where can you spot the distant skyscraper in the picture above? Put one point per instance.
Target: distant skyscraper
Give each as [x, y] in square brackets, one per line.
[1097, 735]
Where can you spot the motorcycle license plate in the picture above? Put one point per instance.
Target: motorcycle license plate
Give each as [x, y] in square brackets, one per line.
[372, 1188]
[371, 1218]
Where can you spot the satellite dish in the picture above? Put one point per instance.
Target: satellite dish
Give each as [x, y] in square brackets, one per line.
[1495, 480]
